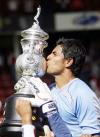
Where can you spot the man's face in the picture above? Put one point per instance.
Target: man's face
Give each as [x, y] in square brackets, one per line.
[56, 61]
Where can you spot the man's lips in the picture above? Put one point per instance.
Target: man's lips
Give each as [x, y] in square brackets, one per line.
[47, 63]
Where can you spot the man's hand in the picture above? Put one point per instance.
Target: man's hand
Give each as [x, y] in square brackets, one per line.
[24, 109]
[42, 98]
[22, 85]
[42, 95]
[47, 131]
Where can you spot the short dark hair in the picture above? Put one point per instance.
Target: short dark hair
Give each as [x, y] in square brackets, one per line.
[73, 48]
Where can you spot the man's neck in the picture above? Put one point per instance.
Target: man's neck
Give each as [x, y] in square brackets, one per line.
[63, 79]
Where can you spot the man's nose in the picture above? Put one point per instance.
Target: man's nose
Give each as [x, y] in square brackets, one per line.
[48, 57]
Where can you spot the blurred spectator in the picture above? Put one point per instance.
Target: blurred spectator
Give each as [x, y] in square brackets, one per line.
[28, 6]
[13, 5]
[63, 4]
[95, 78]
[76, 5]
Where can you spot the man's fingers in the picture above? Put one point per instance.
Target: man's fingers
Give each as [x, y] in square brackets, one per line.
[47, 132]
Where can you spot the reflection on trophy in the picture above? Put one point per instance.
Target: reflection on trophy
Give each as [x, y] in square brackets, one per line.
[28, 65]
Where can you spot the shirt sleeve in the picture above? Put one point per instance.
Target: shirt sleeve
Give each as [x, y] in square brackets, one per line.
[28, 131]
[58, 126]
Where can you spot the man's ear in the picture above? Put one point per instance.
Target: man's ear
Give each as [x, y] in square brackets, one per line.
[68, 62]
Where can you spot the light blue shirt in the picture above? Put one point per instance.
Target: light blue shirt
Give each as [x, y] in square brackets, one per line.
[79, 107]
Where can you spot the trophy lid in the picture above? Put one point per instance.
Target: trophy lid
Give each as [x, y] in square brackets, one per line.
[35, 32]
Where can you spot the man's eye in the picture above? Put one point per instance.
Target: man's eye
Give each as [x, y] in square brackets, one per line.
[54, 53]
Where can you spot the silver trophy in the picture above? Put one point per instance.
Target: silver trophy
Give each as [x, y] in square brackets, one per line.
[28, 65]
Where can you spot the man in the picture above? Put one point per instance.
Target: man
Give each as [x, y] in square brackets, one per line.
[76, 102]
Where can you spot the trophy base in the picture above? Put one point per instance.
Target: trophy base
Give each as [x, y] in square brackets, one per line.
[11, 126]
[7, 130]
[13, 130]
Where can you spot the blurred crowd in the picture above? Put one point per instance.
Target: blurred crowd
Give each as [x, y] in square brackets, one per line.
[91, 69]
[19, 7]
[77, 5]
[16, 14]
